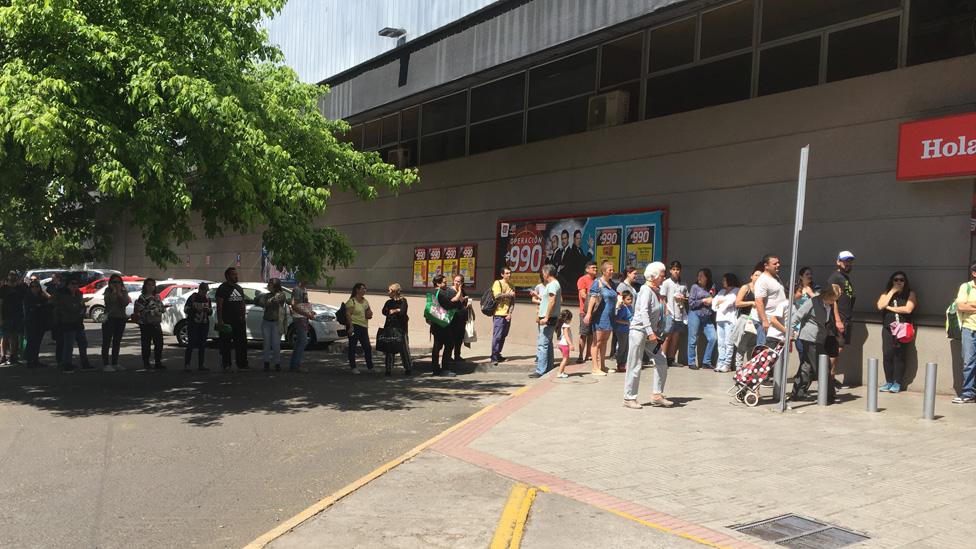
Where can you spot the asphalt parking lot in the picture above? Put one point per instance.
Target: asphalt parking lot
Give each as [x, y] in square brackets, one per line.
[214, 459]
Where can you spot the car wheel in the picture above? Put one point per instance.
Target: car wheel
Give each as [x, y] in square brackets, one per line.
[182, 334]
[290, 336]
[97, 314]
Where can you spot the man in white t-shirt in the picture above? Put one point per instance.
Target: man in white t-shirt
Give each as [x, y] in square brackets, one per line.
[769, 294]
[676, 295]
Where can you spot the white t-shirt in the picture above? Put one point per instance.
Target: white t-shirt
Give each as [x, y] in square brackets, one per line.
[670, 289]
[566, 335]
[772, 291]
[780, 313]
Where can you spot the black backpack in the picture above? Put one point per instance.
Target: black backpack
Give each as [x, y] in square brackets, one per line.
[340, 315]
[488, 303]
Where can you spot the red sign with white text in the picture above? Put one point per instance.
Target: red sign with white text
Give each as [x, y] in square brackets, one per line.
[940, 148]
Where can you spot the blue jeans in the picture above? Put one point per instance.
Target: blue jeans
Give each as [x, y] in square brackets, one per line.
[695, 324]
[544, 351]
[301, 341]
[360, 334]
[68, 340]
[726, 347]
[760, 333]
[968, 363]
[499, 331]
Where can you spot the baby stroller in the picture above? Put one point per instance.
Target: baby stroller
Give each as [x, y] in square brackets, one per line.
[749, 378]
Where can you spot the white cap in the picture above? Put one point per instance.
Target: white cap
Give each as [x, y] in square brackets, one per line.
[845, 256]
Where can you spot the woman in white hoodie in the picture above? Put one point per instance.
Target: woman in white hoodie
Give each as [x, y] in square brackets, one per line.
[725, 316]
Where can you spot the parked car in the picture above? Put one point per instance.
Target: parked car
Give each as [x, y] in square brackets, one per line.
[322, 329]
[95, 303]
[169, 290]
[100, 283]
[84, 277]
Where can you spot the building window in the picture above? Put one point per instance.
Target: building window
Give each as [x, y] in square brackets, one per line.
[620, 60]
[940, 29]
[790, 66]
[633, 92]
[863, 50]
[353, 136]
[559, 119]
[782, 18]
[390, 129]
[700, 86]
[673, 45]
[496, 134]
[409, 123]
[404, 155]
[573, 75]
[445, 113]
[727, 29]
[371, 137]
[442, 146]
[498, 98]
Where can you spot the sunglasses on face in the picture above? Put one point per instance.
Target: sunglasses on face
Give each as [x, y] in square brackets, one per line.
[898, 279]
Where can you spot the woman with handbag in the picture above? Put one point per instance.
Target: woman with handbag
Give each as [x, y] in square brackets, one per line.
[449, 302]
[460, 318]
[395, 311]
[897, 329]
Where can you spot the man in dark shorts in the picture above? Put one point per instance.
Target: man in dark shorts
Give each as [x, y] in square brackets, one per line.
[839, 327]
[583, 290]
[230, 321]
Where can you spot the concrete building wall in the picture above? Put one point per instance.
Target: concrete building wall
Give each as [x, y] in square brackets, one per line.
[727, 175]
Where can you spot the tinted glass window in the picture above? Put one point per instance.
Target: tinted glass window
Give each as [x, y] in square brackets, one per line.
[497, 98]
[726, 29]
[940, 29]
[496, 134]
[408, 156]
[354, 136]
[701, 86]
[672, 45]
[559, 119]
[621, 60]
[444, 113]
[442, 146]
[863, 50]
[371, 137]
[567, 77]
[409, 120]
[390, 128]
[790, 66]
[782, 18]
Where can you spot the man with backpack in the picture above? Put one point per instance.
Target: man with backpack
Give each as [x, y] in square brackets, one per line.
[966, 309]
[503, 302]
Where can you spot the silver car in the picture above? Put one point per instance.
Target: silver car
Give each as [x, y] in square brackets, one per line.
[322, 329]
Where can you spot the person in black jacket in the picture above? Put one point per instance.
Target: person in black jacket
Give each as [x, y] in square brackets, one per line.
[443, 338]
[69, 313]
[460, 318]
[395, 311]
[36, 315]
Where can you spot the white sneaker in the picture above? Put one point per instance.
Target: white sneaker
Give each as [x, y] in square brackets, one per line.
[356, 371]
[563, 375]
[108, 368]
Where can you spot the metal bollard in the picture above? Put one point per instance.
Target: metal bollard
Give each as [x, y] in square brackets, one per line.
[872, 385]
[928, 404]
[823, 380]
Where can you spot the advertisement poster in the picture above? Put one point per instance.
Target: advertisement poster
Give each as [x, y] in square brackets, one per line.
[420, 267]
[569, 242]
[467, 263]
[608, 241]
[450, 262]
[640, 248]
[435, 265]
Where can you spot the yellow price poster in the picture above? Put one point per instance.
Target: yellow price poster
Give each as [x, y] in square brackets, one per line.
[420, 267]
[435, 265]
[608, 240]
[450, 262]
[640, 248]
[467, 264]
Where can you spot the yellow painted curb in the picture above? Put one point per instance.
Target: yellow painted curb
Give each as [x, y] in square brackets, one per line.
[664, 529]
[328, 501]
[511, 525]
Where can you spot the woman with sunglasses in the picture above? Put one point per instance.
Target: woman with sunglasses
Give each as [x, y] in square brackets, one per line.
[116, 301]
[896, 305]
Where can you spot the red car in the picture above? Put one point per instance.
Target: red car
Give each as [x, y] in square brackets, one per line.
[96, 285]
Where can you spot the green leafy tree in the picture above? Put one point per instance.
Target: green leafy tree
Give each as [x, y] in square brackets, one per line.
[159, 113]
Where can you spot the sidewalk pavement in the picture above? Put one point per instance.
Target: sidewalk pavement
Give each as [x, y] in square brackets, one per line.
[615, 477]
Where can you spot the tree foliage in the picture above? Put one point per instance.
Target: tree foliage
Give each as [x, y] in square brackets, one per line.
[161, 112]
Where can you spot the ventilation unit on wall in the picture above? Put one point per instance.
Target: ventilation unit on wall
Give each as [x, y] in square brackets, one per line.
[608, 109]
[398, 157]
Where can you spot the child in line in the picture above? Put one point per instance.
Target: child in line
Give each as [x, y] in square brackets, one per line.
[564, 326]
[621, 326]
[814, 319]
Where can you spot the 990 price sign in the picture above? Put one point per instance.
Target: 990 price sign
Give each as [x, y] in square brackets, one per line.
[525, 258]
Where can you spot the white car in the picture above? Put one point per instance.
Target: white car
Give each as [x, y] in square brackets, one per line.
[322, 329]
[95, 303]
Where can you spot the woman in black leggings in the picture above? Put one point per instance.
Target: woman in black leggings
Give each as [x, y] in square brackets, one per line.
[896, 305]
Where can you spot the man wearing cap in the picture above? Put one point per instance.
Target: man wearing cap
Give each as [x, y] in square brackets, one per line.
[839, 330]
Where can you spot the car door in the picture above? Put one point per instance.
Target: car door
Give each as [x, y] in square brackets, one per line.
[253, 313]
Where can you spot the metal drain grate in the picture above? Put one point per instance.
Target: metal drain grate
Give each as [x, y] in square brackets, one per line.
[799, 532]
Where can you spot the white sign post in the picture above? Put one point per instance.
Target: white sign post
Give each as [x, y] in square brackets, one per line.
[801, 191]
